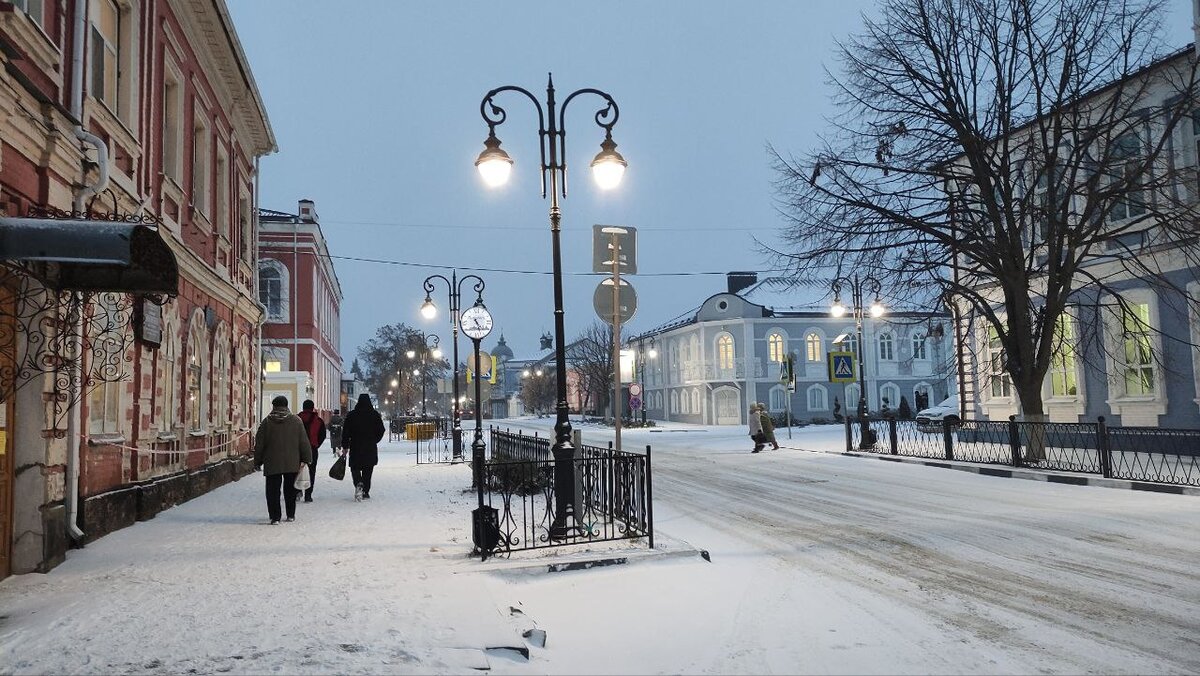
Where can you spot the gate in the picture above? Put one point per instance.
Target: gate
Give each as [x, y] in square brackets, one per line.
[439, 448]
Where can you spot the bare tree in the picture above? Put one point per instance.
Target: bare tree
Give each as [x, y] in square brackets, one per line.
[1011, 158]
[590, 354]
[384, 359]
[539, 392]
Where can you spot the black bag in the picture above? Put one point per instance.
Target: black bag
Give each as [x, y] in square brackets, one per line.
[338, 470]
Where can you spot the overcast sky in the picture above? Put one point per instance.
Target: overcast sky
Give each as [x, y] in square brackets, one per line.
[375, 106]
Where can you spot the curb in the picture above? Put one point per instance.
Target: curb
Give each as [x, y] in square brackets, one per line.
[1027, 474]
[600, 561]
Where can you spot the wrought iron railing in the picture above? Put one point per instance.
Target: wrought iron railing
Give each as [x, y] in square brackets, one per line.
[1135, 453]
[614, 495]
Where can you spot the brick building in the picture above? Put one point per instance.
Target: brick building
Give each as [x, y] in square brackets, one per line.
[301, 335]
[129, 137]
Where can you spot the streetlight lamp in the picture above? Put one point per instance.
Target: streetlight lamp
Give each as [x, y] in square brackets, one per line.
[608, 167]
[876, 310]
[429, 311]
[642, 356]
[430, 344]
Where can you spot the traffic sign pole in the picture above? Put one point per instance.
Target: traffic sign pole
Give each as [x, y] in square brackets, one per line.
[616, 273]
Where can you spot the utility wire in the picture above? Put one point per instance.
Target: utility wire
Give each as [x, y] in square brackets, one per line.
[427, 226]
[433, 266]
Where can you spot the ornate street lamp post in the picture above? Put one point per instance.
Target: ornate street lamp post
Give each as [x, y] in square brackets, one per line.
[430, 349]
[608, 166]
[876, 310]
[429, 311]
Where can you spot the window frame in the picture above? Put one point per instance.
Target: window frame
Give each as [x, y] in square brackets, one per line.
[776, 346]
[814, 344]
[822, 404]
[887, 346]
[726, 350]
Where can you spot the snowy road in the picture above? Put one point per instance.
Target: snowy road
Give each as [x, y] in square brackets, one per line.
[820, 564]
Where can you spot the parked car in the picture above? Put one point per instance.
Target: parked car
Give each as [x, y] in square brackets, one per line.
[930, 419]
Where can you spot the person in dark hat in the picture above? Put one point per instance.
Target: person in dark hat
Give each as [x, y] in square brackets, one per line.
[281, 449]
[361, 434]
[314, 426]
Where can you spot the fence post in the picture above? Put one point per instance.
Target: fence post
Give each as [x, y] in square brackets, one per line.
[947, 438]
[849, 434]
[1014, 440]
[1102, 446]
[893, 440]
[649, 498]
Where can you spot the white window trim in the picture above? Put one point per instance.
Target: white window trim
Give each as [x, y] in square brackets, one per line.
[891, 340]
[721, 368]
[1140, 409]
[808, 398]
[777, 391]
[783, 351]
[822, 347]
[1066, 408]
[886, 390]
[285, 302]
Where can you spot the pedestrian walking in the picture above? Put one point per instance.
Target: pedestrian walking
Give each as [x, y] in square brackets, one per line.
[768, 426]
[756, 430]
[361, 434]
[315, 427]
[281, 449]
[335, 430]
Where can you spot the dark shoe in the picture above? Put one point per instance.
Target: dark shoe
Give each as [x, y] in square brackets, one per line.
[290, 519]
[756, 450]
[308, 499]
[366, 496]
[274, 522]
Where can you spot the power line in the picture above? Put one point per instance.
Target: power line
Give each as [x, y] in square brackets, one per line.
[430, 226]
[432, 266]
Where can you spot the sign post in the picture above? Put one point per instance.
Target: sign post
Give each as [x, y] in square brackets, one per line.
[615, 248]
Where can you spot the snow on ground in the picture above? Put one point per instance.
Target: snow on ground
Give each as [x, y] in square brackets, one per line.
[819, 564]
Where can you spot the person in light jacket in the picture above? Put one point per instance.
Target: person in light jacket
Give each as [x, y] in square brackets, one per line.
[360, 436]
[281, 449]
[756, 430]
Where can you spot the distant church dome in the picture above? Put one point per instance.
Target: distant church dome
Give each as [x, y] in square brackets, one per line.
[502, 352]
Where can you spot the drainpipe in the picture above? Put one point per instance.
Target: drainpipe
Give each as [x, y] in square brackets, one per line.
[75, 396]
[262, 317]
[85, 191]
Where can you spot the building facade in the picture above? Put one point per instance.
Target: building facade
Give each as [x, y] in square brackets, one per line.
[300, 293]
[129, 137]
[709, 368]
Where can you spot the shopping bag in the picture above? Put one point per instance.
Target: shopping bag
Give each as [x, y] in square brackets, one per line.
[302, 482]
[338, 471]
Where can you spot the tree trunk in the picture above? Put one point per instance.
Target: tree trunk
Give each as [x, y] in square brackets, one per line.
[1032, 418]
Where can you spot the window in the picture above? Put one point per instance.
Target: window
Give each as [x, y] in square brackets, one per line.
[35, 9]
[169, 368]
[172, 127]
[778, 399]
[1126, 157]
[696, 407]
[922, 395]
[220, 377]
[1001, 381]
[201, 146]
[1138, 350]
[104, 375]
[197, 376]
[776, 348]
[674, 401]
[1062, 362]
[106, 54]
[889, 397]
[918, 345]
[853, 394]
[812, 347]
[725, 352]
[221, 217]
[273, 289]
[245, 227]
[849, 343]
[887, 351]
[818, 398]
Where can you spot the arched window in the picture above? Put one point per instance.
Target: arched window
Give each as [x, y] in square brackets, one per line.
[104, 374]
[889, 397]
[918, 345]
[853, 393]
[922, 395]
[168, 378]
[197, 372]
[221, 376]
[245, 406]
[696, 408]
[887, 351]
[776, 347]
[778, 398]
[812, 347]
[674, 401]
[849, 343]
[725, 352]
[273, 289]
[818, 399]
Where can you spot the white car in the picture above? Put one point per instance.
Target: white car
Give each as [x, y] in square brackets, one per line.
[930, 419]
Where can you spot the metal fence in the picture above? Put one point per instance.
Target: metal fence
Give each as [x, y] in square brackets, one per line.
[1136, 453]
[613, 489]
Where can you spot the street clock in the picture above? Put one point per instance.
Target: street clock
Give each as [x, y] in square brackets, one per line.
[476, 322]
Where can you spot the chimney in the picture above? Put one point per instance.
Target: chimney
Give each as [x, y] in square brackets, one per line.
[308, 211]
[741, 280]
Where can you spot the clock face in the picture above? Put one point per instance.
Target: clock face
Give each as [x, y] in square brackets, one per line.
[476, 322]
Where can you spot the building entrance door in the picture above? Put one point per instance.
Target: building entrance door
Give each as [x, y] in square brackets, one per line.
[727, 404]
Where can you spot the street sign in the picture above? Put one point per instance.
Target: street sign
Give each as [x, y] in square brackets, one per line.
[602, 248]
[635, 389]
[635, 403]
[486, 360]
[602, 300]
[841, 367]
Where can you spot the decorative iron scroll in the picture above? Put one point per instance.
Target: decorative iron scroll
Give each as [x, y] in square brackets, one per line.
[50, 336]
[113, 216]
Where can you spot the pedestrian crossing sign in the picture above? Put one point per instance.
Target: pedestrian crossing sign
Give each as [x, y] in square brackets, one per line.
[841, 367]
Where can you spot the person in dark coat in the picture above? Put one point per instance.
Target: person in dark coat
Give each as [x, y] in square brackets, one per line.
[315, 427]
[361, 434]
[280, 448]
[335, 429]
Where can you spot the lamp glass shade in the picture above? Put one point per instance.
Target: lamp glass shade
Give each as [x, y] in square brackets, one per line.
[416, 372]
[494, 165]
[838, 310]
[428, 309]
[437, 353]
[877, 309]
[652, 353]
[609, 166]
[411, 354]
